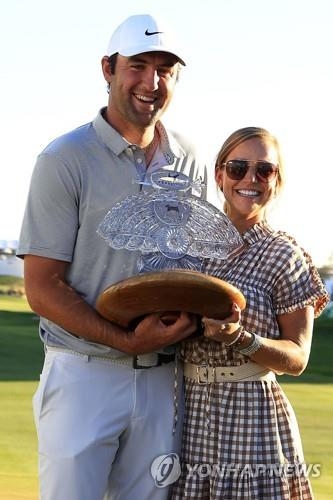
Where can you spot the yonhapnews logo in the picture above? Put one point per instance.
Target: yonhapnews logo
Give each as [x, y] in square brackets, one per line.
[165, 469]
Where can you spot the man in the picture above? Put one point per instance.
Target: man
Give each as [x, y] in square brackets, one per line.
[104, 407]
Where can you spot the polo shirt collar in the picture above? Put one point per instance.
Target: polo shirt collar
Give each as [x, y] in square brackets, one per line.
[116, 143]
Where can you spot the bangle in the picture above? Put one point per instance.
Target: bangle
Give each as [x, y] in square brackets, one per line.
[253, 347]
[239, 338]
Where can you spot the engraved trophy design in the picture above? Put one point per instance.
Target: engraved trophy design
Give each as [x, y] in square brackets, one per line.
[174, 231]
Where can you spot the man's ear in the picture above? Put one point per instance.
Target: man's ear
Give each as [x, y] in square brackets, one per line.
[106, 69]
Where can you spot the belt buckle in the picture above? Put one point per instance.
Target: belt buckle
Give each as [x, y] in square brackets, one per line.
[137, 366]
[199, 375]
[159, 361]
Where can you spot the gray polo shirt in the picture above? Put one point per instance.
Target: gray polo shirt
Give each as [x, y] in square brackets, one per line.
[75, 182]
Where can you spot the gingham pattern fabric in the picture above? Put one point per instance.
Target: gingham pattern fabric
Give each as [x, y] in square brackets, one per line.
[241, 440]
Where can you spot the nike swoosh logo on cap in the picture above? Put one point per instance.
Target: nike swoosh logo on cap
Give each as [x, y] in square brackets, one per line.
[148, 33]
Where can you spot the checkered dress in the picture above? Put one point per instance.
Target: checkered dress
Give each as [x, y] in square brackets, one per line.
[241, 440]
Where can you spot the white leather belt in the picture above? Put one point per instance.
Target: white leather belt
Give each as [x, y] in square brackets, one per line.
[247, 372]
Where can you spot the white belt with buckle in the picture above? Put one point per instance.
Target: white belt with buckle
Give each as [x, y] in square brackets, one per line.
[141, 361]
[203, 374]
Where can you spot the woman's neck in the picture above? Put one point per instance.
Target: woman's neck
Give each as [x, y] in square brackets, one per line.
[242, 224]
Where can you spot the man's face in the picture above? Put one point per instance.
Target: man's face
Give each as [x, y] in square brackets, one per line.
[141, 88]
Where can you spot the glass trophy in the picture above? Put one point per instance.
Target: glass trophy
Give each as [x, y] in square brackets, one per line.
[169, 225]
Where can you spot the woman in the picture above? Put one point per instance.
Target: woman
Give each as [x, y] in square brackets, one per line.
[241, 439]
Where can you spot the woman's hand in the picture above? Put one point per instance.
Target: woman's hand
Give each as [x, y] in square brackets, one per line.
[225, 330]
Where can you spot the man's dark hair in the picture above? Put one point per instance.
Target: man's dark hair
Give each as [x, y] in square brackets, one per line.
[112, 62]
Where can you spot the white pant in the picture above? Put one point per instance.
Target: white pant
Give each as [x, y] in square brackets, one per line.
[101, 425]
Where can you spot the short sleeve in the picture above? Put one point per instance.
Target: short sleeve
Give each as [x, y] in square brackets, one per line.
[298, 283]
[50, 220]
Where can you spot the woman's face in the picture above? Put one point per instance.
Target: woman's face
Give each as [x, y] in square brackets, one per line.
[248, 197]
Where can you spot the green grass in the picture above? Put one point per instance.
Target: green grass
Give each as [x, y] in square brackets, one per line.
[7, 280]
[11, 285]
[13, 304]
[320, 367]
[21, 357]
[311, 395]
[18, 443]
[313, 407]
[21, 352]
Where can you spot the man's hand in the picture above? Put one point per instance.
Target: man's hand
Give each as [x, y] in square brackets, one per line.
[159, 330]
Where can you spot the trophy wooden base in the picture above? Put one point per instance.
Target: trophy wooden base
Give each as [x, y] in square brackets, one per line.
[171, 290]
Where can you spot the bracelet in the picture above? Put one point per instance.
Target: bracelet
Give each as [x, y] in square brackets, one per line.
[253, 347]
[239, 338]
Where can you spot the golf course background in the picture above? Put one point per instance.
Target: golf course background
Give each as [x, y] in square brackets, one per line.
[21, 358]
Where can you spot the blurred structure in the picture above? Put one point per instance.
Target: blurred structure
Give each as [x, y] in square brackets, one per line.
[9, 263]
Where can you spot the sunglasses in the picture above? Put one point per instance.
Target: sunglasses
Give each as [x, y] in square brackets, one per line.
[264, 170]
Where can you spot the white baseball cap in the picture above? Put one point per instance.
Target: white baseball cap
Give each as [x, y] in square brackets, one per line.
[142, 33]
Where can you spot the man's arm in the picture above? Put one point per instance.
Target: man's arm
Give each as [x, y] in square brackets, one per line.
[50, 296]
